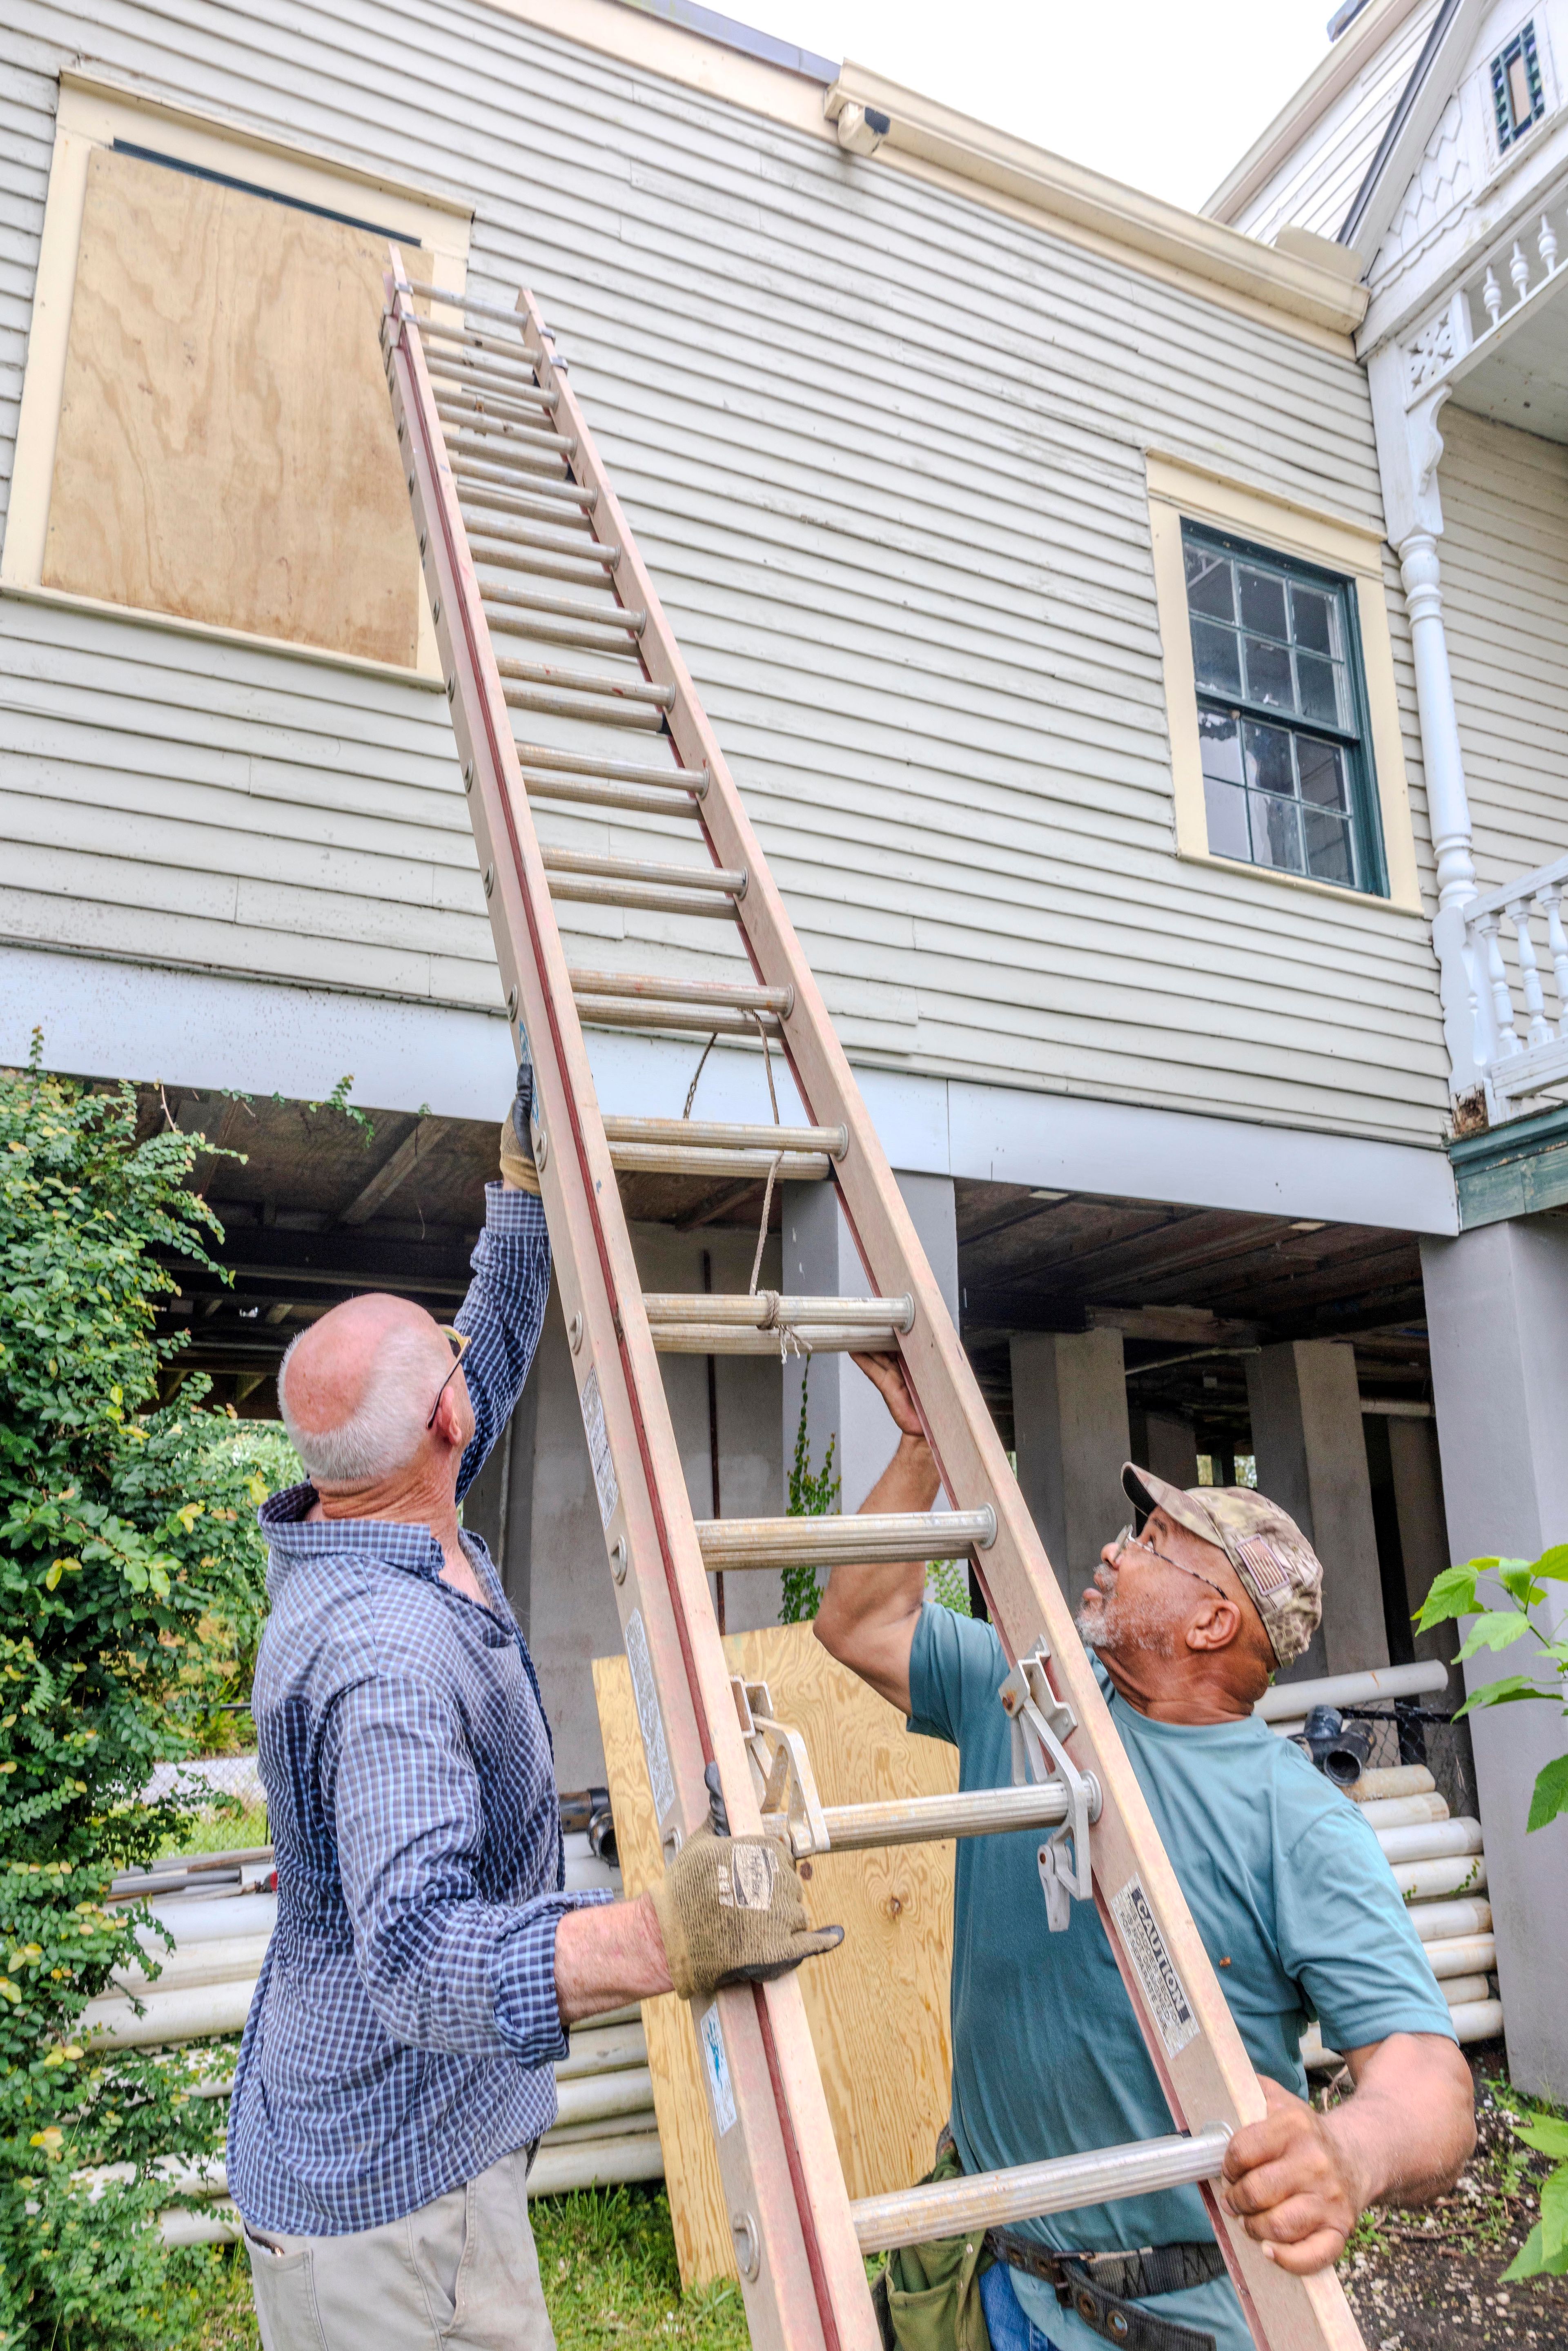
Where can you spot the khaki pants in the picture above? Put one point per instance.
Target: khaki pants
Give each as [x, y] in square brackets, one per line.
[460, 2274]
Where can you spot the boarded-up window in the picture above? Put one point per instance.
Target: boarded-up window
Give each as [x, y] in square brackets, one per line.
[226, 451]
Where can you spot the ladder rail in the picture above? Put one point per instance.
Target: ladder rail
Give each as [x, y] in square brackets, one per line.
[776, 2154]
[804, 2245]
[1209, 2078]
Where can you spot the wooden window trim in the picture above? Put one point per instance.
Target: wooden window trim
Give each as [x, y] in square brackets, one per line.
[95, 113]
[1178, 491]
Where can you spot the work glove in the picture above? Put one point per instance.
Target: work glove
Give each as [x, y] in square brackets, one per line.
[729, 1909]
[518, 1168]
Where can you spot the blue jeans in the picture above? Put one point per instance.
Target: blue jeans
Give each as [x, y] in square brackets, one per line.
[1006, 2323]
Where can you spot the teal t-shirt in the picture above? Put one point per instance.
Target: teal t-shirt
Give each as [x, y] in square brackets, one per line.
[1292, 1899]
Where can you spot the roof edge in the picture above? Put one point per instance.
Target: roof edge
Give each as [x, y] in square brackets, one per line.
[1146, 226]
[731, 34]
[1327, 81]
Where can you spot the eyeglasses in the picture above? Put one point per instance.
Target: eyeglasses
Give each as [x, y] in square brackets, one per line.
[1129, 1540]
[458, 1343]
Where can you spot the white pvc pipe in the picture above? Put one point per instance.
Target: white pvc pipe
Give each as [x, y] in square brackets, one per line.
[225, 1959]
[219, 2225]
[1394, 1780]
[1462, 1955]
[1428, 1881]
[1402, 1812]
[603, 2052]
[1438, 1922]
[197, 2014]
[1477, 2019]
[1290, 1700]
[1463, 1991]
[603, 2097]
[596, 2163]
[1432, 1841]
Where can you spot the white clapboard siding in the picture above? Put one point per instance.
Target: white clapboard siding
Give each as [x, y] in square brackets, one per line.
[1315, 186]
[925, 632]
[1505, 594]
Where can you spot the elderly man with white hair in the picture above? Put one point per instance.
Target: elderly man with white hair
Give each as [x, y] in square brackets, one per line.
[396, 2072]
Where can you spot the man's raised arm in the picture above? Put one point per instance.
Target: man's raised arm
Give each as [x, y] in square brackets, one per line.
[868, 1615]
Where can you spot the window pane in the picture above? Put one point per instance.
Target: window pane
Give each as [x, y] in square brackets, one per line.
[1227, 820]
[1269, 674]
[1269, 759]
[1221, 740]
[1311, 619]
[1321, 690]
[1276, 834]
[1262, 600]
[1328, 854]
[1208, 588]
[1215, 658]
[1322, 768]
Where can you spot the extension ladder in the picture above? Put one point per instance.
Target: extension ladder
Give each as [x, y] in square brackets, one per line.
[522, 538]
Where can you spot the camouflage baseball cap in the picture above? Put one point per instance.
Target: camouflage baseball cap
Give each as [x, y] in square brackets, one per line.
[1279, 1570]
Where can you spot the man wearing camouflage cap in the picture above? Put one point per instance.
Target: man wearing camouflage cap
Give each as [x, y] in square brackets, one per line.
[1190, 1612]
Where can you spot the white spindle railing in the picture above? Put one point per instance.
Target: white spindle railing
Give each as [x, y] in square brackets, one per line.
[1481, 1018]
[1516, 272]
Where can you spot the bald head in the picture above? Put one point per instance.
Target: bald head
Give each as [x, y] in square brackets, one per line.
[356, 1389]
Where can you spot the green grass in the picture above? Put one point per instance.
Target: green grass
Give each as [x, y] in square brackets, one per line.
[219, 1832]
[607, 2258]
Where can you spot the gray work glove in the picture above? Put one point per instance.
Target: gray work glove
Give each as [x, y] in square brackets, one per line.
[729, 1909]
[517, 1169]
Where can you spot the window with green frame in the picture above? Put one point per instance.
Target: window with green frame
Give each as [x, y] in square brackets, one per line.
[1281, 712]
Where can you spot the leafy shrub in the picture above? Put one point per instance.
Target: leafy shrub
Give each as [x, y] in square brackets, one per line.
[814, 1494]
[130, 1601]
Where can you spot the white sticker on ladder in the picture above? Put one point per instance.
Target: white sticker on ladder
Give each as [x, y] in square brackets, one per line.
[598, 1438]
[715, 2065]
[1164, 1996]
[660, 1779]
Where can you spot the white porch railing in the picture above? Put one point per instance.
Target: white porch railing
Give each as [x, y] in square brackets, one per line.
[1489, 302]
[1485, 1003]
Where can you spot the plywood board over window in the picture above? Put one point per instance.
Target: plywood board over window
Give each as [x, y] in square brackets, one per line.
[226, 451]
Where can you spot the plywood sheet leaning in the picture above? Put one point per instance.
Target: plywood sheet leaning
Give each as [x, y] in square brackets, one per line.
[877, 2007]
[226, 452]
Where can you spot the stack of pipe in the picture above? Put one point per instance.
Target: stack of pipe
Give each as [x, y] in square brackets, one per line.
[1438, 1862]
[605, 2131]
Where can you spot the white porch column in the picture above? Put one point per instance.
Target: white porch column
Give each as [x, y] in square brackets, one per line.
[1497, 1307]
[1312, 1459]
[1409, 447]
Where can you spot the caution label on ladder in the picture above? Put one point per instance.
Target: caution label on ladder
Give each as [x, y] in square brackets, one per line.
[649, 1721]
[1164, 1997]
[598, 1438]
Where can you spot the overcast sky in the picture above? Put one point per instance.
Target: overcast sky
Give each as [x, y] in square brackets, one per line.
[1166, 94]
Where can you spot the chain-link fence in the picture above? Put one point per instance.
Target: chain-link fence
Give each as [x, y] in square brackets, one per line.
[1406, 1733]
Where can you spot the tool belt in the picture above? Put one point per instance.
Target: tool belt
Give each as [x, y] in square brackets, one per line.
[1106, 2290]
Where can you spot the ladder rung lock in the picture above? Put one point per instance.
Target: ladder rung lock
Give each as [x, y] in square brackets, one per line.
[752, 1167]
[865, 1539]
[696, 878]
[713, 992]
[619, 771]
[622, 1012]
[930, 1820]
[635, 689]
[987, 2200]
[768, 1311]
[721, 1134]
[816, 1338]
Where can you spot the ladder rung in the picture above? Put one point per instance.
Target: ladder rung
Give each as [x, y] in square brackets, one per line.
[470, 304]
[479, 457]
[505, 490]
[566, 608]
[617, 796]
[736, 995]
[617, 771]
[721, 1134]
[618, 1012]
[695, 878]
[864, 1538]
[495, 347]
[577, 681]
[516, 546]
[477, 502]
[548, 704]
[821, 1339]
[925, 1820]
[472, 421]
[492, 411]
[917, 2215]
[549, 631]
[767, 1310]
[746, 1167]
[462, 368]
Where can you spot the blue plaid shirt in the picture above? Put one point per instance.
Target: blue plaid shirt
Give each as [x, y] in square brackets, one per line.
[403, 2031]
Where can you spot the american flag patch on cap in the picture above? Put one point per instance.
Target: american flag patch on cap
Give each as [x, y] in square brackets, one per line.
[1270, 1569]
